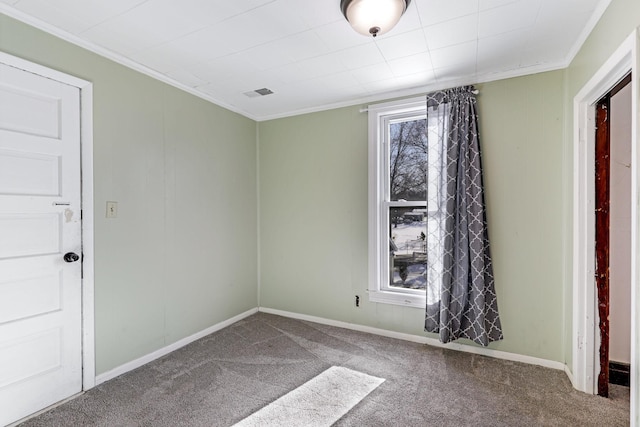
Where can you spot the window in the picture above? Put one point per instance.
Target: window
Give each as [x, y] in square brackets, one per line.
[398, 152]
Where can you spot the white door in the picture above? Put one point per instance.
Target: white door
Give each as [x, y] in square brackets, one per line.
[40, 222]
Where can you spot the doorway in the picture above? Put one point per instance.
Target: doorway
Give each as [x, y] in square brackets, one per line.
[613, 233]
[46, 254]
[584, 361]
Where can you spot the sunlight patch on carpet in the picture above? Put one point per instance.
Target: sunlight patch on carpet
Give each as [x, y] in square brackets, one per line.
[319, 402]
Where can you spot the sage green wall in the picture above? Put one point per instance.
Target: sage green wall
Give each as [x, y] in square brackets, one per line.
[313, 214]
[620, 19]
[521, 127]
[181, 256]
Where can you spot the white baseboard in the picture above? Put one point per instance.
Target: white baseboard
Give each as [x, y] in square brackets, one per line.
[424, 340]
[129, 366]
[570, 376]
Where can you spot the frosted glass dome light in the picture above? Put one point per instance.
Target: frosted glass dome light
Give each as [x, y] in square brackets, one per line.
[373, 17]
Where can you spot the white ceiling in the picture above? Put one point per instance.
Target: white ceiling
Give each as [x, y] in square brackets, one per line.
[307, 53]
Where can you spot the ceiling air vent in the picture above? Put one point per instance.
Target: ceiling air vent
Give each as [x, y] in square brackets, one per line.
[258, 92]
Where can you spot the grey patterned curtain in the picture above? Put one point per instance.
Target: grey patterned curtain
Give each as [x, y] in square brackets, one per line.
[461, 298]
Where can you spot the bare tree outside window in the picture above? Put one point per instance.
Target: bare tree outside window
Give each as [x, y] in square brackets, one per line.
[408, 160]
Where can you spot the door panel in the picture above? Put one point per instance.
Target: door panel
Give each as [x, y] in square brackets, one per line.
[39, 361]
[29, 173]
[25, 111]
[31, 294]
[40, 220]
[29, 235]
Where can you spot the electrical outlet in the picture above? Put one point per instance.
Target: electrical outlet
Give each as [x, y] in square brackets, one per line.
[112, 209]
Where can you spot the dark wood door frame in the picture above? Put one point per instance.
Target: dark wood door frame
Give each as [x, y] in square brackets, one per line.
[602, 199]
[602, 222]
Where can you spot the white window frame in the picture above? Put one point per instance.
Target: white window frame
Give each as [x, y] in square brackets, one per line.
[379, 117]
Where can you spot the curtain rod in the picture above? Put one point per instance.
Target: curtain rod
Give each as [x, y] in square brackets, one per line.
[366, 110]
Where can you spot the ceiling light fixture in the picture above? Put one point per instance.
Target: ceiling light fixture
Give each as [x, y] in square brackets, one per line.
[373, 17]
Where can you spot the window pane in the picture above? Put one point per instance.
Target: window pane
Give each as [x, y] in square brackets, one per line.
[408, 160]
[407, 247]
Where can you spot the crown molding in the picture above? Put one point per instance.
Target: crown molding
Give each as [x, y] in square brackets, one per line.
[115, 57]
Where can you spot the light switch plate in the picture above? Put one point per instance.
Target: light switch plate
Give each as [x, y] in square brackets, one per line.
[112, 209]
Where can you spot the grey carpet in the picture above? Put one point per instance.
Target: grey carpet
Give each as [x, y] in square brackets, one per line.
[319, 402]
[226, 376]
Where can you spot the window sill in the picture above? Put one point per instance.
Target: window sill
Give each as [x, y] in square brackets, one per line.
[398, 298]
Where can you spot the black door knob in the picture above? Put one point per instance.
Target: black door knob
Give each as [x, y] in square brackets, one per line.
[71, 257]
